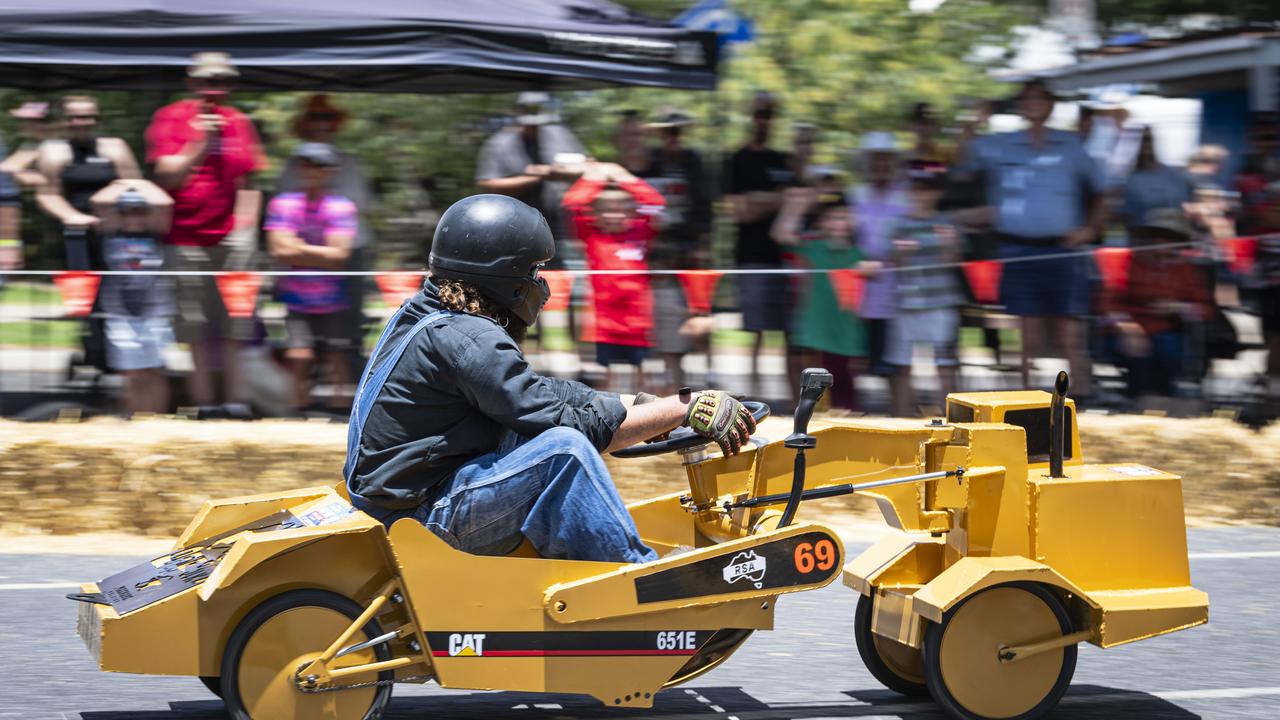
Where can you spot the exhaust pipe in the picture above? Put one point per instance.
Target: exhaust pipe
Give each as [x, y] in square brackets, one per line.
[1057, 425]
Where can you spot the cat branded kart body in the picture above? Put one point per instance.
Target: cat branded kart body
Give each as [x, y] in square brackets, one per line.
[295, 605]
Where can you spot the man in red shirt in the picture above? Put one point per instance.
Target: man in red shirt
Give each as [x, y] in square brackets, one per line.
[203, 151]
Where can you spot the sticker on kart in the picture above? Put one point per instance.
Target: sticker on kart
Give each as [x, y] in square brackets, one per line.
[628, 643]
[803, 559]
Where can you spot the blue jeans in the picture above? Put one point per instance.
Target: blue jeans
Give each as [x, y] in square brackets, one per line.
[553, 489]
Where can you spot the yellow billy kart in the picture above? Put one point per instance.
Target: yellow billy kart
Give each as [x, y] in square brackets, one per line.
[295, 605]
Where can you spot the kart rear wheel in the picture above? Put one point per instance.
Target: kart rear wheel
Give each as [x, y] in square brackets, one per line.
[961, 666]
[214, 683]
[898, 667]
[279, 636]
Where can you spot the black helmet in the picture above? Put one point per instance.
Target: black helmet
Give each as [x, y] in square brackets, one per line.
[496, 243]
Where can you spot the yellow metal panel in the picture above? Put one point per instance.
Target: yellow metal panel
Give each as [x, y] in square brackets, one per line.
[894, 618]
[219, 516]
[996, 516]
[614, 594]
[859, 571]
[455, 592]
[972, 574]
[1129, 615]
[1112, 527]
[663, 522]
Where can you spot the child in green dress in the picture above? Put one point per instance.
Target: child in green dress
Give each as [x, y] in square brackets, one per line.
[817, 232]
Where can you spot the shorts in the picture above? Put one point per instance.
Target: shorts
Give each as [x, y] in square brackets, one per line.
[670, 311]
[765, 300]
[201, 314]
[1053, 287]
[938, 328]
[613, 354]
[137, 343]
[323, 332]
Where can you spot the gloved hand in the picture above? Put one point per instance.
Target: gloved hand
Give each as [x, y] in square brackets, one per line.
[717, 415]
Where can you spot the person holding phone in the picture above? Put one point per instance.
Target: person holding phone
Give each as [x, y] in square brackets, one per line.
[204, 150]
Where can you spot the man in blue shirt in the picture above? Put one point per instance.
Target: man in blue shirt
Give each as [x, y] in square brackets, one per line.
[1045, 200]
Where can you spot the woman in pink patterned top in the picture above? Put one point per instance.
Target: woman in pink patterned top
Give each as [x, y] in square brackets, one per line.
[314, 230]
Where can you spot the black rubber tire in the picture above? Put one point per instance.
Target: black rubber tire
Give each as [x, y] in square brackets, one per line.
[214, 683]
[933, 668]
[876, 665]
[276, 605]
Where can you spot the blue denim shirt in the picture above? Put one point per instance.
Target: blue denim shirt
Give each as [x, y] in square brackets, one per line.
[460, 385]
[1038, 191]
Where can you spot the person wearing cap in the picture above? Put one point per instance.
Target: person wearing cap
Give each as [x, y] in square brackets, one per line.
[1046, 197]
[75, 169]
[676, 171]
[1151, 317]
[530, 162]
[138, 306]
[877, 204]
[314, 229]
[203, 151]
[320, 120]
[755, 177]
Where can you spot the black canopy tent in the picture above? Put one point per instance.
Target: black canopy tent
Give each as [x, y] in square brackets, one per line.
[420, 46]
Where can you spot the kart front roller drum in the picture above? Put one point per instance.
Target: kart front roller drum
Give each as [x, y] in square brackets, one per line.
[896, 666]
[961, 664]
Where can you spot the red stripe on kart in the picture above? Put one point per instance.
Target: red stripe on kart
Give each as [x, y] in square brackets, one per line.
[565, 653]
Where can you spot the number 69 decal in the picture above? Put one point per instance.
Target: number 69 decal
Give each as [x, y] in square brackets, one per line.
[810, 556]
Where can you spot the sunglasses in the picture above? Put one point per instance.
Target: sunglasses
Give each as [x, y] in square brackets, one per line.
[322, 116]
[762, 115]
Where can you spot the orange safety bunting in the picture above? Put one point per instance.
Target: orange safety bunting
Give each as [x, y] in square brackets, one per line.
[984, 280]
[1241, 253]
[78, 288]
[395, 287]
[561, 285]
[1114, 263]
[239, 292]
[699, 289]
[848, 285]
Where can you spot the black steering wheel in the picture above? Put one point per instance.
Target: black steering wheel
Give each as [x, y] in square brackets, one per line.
[685, 438]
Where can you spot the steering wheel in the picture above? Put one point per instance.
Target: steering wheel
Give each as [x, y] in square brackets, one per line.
[684, 438]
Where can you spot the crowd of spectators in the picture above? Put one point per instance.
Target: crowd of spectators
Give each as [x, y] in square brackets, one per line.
[859, 272]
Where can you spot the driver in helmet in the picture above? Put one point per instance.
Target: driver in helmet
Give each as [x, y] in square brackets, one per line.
[452, 427]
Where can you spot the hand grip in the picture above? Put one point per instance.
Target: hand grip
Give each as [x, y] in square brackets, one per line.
[813, 383]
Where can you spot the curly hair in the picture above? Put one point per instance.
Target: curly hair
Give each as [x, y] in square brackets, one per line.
[463, 297]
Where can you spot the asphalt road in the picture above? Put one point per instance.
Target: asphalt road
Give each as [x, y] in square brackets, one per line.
[807, 668]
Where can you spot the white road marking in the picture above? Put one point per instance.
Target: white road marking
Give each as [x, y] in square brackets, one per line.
[1217, 693]
[1235, 555]
[548, 706]
[717, 708]
[51, 585]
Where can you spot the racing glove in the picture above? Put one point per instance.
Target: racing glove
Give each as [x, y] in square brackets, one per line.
[717, 415]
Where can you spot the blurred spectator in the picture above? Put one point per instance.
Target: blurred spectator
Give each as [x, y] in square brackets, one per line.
[629, 142]
[926, 248]
[804, 141]
[677, 173]
[532, 162]
[815, 226]
[33, 128]
[1206, 167]
[319, 121]
[1151, 317]
[878, 203]
[139, 306]
[1153, 185]
[314, 229]
[755, 177]
[1046, 197]
[10, 218]
[204, 150]
[925, 130]
[615, 217]
[75, 169]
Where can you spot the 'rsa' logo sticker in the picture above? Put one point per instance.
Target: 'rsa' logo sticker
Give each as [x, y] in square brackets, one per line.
[466, 645]
[746, 565]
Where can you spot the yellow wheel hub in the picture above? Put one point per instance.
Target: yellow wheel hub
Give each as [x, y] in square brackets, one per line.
[288, 641]
[971, 669]
[903, 660]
